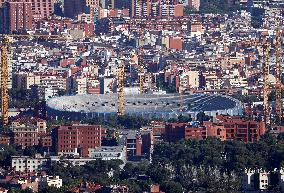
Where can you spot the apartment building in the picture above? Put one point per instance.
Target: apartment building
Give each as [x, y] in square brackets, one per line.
[56, 82]
[146, 8]
[15, 16]
[197, 133]
[30, 164]
[25, 135]
[23, 80]
[226, 128]
[133, 145]
[189, 80]
[50, 181]
[108, 153]
[194, 4]
[28, 133]
[42, 9]
[175, 131]
[76, 139]
[235, 128]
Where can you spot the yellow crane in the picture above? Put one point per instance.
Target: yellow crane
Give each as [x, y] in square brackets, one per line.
[266, 46]
[266, 108]
[120, 89]
[4, 81]
[278, 88]
[141, 72]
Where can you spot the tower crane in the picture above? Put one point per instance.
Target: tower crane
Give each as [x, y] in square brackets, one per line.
[120, 89]
[265, 45]
[278, 88]
[266, 108]
[4, 81]
[141, 70]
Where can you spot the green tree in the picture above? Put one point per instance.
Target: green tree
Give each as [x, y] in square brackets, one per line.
[171, 187]
[158, 174]
[189, 10]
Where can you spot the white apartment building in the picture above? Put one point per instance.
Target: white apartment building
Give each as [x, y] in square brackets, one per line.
[53, 81]
[259, 180]
[51, 181]
[26, 163]
[189, 80]
[80, 85]
[108, 153]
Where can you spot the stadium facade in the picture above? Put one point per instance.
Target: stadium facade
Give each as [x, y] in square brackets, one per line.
[164, 106]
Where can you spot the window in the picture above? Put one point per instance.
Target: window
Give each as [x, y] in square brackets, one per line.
[218, 131]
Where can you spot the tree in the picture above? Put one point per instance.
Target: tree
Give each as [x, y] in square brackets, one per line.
[132, 122]
[171, 187]
[201, 117]
[189, 10]
[184, 119]
[6, 153]
[218, 6]
[158, 174]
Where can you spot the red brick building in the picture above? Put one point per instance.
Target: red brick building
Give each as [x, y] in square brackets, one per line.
[15, 16]
[77, 138]
[5, 140]
[175, 131]
[46, 140]
[39, 8]
[158, 129]
[195, 133]
[178, 10]
[25, 135]
[28, 132]
[235, 128]
[118, 12]
[42, 8]
[226, 128]
[176, 43]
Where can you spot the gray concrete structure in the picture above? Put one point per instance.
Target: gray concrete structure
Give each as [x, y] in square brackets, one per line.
[147, 105]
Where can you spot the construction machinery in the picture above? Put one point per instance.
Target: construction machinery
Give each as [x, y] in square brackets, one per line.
[266, 52]
[266, 91]
[278, 88]
[4, 80]
[120, 89]
[121, 80]
[141, 71]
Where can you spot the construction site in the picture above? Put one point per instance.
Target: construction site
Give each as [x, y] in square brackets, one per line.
[166, 105]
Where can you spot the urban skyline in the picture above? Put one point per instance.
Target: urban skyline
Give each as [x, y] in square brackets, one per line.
[141, 96]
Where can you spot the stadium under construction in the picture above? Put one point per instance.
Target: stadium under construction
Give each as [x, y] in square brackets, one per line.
[164, 106]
